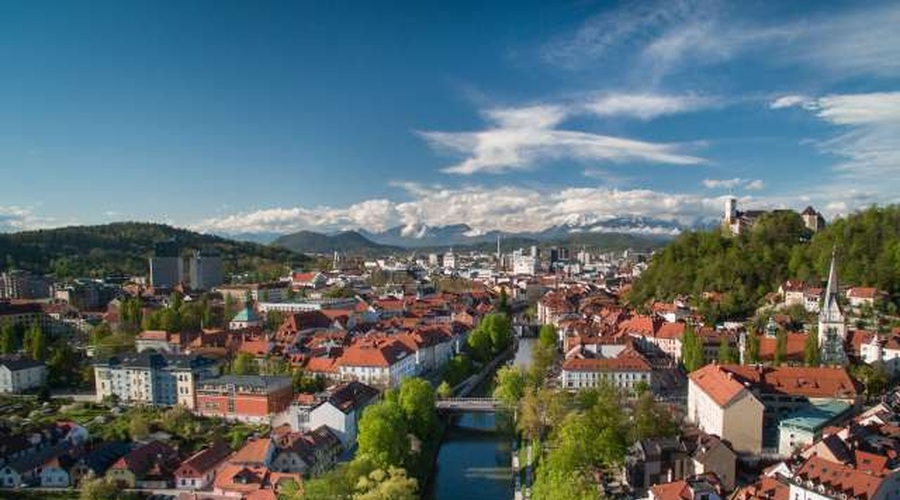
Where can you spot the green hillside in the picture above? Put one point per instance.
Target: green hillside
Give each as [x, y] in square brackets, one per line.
[744, 269]
[123, 248]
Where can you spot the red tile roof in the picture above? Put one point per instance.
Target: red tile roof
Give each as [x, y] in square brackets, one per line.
[717, 384]
[374, 351]
[856, 483]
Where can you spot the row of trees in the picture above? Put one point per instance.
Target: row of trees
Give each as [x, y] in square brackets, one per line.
[492, 336]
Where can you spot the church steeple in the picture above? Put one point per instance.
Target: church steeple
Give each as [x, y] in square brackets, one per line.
[832, 328]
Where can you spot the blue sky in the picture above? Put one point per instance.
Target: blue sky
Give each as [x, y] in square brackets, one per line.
[277, 116]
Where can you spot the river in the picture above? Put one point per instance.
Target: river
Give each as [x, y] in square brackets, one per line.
[474, 460]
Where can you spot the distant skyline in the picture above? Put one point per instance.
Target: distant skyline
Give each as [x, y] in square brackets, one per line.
[246, 117]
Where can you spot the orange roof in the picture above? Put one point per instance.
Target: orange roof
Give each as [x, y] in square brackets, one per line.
[818, 382]
[795, 346]
[671, 331]
[254, 452]
[678, 490]
[859, 292]
[376, 351]
[840, 477]
[767, 488]
[240, 478]
[624, 363]
[322, 364]
[718, 384]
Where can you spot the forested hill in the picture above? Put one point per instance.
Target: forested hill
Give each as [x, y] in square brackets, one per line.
[123, 248]
[744, 269]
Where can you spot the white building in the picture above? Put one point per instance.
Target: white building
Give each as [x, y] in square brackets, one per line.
[339, 409]
[625, 372]
[378, 361]
[21, 374]
[152, 378]
[720, 405]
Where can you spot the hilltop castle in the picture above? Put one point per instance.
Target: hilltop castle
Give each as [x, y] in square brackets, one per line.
[736, 221]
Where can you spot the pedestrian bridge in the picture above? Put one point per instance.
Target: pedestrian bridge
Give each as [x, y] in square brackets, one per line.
[486, 405]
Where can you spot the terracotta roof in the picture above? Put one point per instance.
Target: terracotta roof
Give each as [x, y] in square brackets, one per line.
[835, 476]
[678, 490]
[717, 384]
[626, 363]
[204, 460]
[859, 292]
[767, 488]
[796, 342]
[818, 382]
[671, 331]
[254, 452]
[376, 351]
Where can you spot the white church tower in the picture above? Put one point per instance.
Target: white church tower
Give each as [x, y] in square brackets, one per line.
[832, 327]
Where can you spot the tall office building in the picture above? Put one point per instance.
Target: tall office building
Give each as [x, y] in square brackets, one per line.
[166, 265]
[207, 269]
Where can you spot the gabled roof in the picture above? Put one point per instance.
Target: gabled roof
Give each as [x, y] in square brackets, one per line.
[717, 383]
[842, 478]
[255, 451]
[351, 396]
[204, 460]
[15, 364]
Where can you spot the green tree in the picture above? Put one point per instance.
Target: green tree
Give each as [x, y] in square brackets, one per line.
[138, 428]
[726, 355]
[780, 348]
[692, 356]
[509, 385]
[752, 354]
[503, 303]
[244, 364]
[479, 343]
[7, 338]
[651, 419]
[547, 337]
[393, 484]
[499, 330]
[811, 348]
[444, 390]
[417, 400]
[98, 488]
[382, 435]
[63, 366]
[37, 342]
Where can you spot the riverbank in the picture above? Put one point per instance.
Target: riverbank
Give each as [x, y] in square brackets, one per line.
[473, 460]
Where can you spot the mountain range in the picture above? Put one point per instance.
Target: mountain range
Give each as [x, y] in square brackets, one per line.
[610, 234]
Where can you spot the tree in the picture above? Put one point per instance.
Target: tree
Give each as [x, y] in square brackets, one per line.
[547, 337]
[780, 348]
[726, 353]
[444, 390]
[138, 428]
[63, 366]
[500, 332]
[382, 435]
[244, 364]
[509, 385]
[752, 354]
[7, 338]
[811, 348]
[391, 485]
[37, 342]
[417, 401]
[479, 343]
[98, 488]
[692, 356]
[652, 419]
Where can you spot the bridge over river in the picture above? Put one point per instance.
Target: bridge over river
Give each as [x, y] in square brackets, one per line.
[481, 405]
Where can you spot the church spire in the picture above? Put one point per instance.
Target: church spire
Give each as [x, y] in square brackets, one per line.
[832, 290]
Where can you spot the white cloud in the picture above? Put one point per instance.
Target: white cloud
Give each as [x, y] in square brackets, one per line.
[16, 218]
[755, 184]
[509, 209]
[789, 101]
[870, 138]
[748, 184]
[520, 138]
[652, 39]
[647, 106]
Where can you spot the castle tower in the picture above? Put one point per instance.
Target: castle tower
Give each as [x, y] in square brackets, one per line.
[832, 326]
